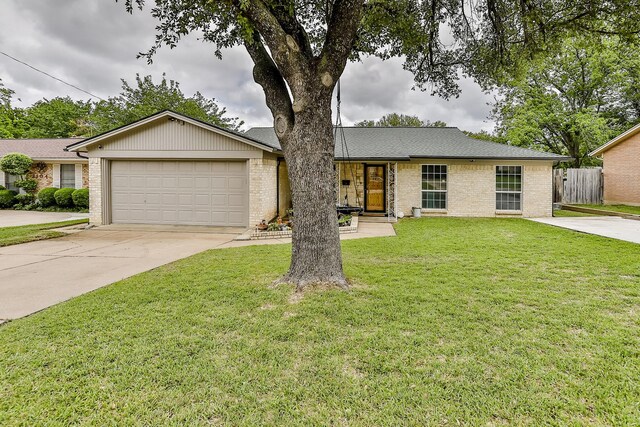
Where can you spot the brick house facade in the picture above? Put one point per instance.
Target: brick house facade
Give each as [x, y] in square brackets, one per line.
[48, 157]
[172, 169]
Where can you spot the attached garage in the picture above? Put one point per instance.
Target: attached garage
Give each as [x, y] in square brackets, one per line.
[179, 192]
[169, 169]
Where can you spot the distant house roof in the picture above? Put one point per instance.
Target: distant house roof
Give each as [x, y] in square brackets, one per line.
[615, 141]
[40, 149]
[404, 143]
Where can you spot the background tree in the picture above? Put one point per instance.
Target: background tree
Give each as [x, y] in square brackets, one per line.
[147, 98]
[485, 136]
[393, 120]
[64, 117]
[573, 101]
[400, 120]
[300, 48]
[11, 119]
[57, 118]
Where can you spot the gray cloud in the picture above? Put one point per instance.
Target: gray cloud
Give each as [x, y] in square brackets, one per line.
[93, 44]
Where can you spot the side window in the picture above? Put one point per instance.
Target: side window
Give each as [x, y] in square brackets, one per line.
[508, 188]
[10, 182]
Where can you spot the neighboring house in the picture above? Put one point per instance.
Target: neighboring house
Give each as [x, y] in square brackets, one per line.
[621, 168]
[172, 169]
[52, 165]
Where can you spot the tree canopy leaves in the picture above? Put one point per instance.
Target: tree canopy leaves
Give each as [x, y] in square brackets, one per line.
[399, 120]
[147, 98]
[574, 101]
[57, 118]
[440, 40]
[64, 117]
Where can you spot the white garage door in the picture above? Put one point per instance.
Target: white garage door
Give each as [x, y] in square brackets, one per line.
[179, 192]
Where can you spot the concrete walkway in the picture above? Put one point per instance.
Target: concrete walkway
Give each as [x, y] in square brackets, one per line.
[11, 218]
[364, 230]
[609, 226]
[37, 275]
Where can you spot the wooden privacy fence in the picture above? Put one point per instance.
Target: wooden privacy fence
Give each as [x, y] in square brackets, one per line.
[583, 186]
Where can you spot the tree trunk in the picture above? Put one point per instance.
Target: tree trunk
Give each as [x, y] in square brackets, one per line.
[309, 152]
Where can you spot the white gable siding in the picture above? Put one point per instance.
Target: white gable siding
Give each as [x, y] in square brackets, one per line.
[173, 136]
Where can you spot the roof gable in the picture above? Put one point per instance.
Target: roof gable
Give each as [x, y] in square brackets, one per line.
[163, 117]
[615, 141]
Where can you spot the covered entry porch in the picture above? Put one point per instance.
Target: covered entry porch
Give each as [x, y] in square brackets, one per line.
[368, 187]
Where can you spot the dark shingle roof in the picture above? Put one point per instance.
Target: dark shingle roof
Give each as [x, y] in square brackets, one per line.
[39, 149]
[403, 143]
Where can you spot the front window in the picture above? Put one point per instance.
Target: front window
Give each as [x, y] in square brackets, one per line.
[434, 186]
[508, 188]
[67, 176]
[10, 182]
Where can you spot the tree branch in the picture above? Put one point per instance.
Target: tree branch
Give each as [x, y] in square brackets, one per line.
[341, 35]
[267, 75]
[284, 48]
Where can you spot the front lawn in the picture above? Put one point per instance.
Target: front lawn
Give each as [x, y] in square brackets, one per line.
[455, 321]
[635, 210]
[29, 233]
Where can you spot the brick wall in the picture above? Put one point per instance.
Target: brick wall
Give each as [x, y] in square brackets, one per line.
[95, 191]
[43, 173]
[471, 188]
[262, 189]
[85, 175]
[622, 172]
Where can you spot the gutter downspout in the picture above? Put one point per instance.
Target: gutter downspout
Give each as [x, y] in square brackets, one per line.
[80, 155]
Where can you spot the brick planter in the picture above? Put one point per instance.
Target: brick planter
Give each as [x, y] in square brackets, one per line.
[260, 235]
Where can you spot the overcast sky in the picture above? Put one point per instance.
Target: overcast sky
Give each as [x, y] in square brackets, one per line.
[93, 43]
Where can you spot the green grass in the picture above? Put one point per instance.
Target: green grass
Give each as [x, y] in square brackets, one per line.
[566, 213]
[455, 321]
[30, 233]
[616, 208]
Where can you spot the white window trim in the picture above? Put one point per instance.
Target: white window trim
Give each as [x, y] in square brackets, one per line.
[446, 192]
[2, 178]
[521, 192]
[56, 175]
[78, 178]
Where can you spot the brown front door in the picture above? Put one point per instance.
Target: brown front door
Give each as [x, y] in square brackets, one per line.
[374, 188]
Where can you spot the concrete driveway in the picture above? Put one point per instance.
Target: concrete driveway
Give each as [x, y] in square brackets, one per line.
[11, 218]
[607, 226]
[37, 275]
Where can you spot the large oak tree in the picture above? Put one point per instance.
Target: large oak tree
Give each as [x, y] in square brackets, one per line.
[300, 48]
